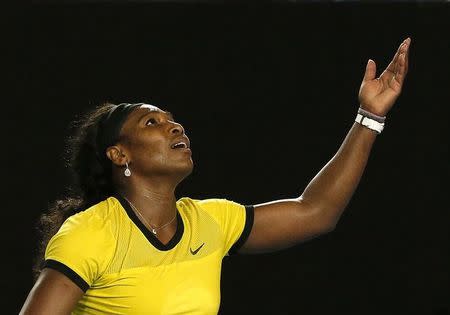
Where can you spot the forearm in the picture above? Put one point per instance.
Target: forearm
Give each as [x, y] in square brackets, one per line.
[330, 190]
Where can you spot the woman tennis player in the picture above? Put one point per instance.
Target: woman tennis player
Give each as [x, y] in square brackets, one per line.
[123, 243]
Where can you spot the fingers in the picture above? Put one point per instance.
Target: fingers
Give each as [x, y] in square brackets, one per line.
[395, 72]
[399, 75]
[371, 70]
[408, 43]
[392, 65]
[402, 62]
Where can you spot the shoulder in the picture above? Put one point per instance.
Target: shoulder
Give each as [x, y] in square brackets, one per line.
[85, 244]
[98, 213]
[212, 204]
[90, 223]
[219, 208]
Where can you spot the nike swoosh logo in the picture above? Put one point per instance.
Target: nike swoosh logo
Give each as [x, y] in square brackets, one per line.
[194, 252]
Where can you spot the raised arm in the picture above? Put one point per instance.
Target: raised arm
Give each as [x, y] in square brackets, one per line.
[284, 223]
[53, 293]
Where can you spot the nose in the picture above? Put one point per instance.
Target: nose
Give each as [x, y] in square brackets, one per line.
[176, 128]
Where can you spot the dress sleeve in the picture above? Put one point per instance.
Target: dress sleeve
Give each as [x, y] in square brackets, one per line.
[235, 220]
[80, 249]
[236, 243]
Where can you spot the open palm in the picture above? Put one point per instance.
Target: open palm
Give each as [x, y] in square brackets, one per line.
[378, 95]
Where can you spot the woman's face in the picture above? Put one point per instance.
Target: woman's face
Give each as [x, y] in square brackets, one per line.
[155, 144]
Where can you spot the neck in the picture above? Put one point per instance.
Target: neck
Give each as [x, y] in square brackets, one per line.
[154, 199]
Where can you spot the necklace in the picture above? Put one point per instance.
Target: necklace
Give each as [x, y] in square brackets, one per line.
[147, 224]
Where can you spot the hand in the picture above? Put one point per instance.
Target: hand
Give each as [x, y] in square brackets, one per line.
[378, 95]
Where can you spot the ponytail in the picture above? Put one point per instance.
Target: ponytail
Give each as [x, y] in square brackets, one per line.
[92, 181]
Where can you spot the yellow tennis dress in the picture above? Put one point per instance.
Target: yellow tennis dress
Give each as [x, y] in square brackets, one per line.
[124, 269]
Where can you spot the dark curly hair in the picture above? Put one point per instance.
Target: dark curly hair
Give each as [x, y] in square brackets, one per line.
[92, 180]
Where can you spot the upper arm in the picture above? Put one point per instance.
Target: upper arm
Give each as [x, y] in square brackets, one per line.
[53, 293]
[284, 223]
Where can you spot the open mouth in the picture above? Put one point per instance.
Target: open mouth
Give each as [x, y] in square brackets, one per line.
[179, 145]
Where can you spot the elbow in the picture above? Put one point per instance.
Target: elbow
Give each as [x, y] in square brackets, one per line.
[318, 230]
[327, 223]
[328, 228]
[324, 220]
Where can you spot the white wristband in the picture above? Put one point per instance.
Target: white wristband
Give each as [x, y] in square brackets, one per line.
[369, 123]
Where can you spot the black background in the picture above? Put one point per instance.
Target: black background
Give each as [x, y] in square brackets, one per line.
[266, 93]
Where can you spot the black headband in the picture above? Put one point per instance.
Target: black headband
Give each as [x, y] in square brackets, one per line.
[110, 125]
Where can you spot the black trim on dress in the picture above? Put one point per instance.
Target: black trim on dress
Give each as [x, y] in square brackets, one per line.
[69, 273]
[148, 234]
[249, 216]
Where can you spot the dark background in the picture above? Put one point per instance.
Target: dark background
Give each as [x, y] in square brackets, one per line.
[266, 93]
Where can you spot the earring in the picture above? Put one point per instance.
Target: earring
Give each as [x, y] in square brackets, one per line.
[127, 171]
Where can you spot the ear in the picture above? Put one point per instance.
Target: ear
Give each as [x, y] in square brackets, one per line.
[115, 154]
